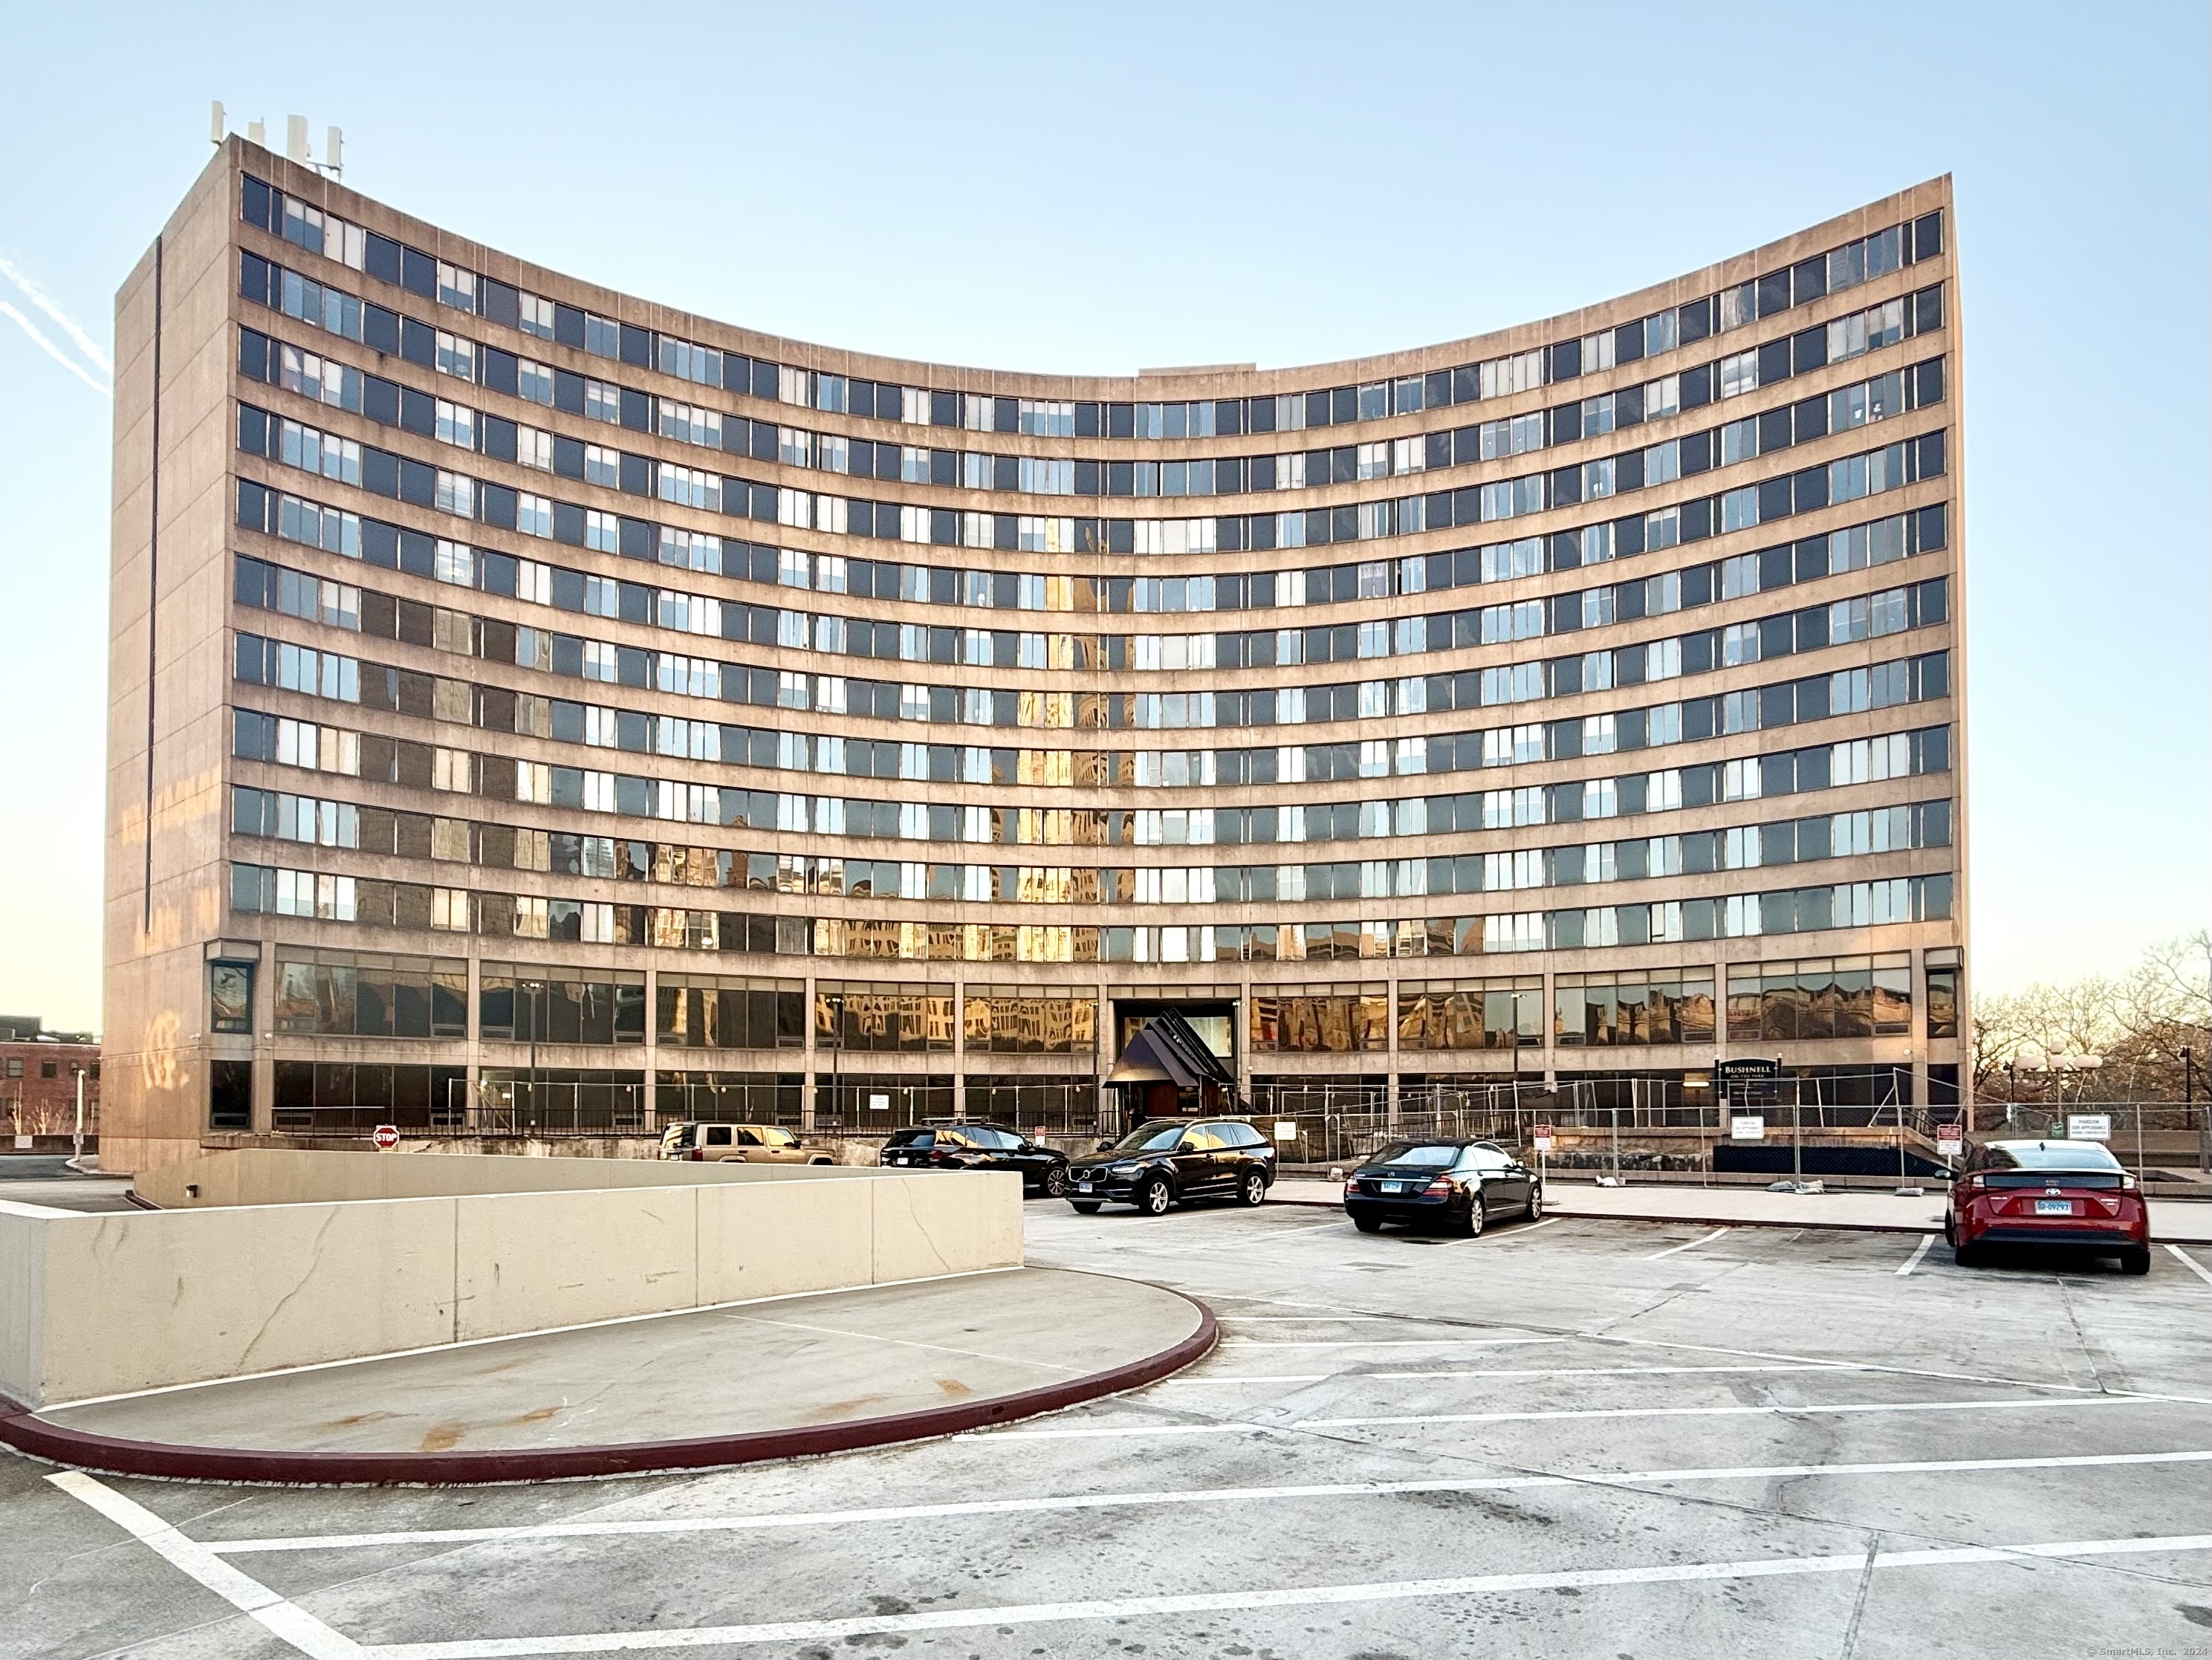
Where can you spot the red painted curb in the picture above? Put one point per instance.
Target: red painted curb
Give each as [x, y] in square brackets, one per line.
[24, 1429]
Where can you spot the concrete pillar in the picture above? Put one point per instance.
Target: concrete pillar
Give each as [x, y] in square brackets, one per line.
[649, 1103]
[1390, 1002]
[470, 1097]
[1919, 1029]
[959, 1046]
[806, 1061]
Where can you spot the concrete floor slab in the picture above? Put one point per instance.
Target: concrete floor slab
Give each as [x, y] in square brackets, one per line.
[823, 1371]
[1162, 1523]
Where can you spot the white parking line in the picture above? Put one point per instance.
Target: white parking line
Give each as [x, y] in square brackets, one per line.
[1087, 1501]
[1893, 1370]
[1313, 1319]
[2191, 1264]
[1386, 1342]
[1120, 1432]
[1690, 1245]
[1553, 1372]
[1522, 1233]
[282, 1619]
[1738, 1411]
[1918, 1251]
[1491, 1585]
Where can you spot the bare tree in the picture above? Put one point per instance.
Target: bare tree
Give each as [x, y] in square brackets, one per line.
[2139, 1024]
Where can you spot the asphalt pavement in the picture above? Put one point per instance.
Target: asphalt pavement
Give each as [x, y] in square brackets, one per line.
[38, 1178]
[1582, 1438]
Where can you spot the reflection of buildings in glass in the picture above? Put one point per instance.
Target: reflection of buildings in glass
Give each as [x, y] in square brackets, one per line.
[1468, 715]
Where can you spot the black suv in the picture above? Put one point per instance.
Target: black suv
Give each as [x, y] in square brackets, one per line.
[978, 1147]
[1168, 1160]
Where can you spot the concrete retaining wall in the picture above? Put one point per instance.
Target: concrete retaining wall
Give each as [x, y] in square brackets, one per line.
[98, 1304]
[279, 1175]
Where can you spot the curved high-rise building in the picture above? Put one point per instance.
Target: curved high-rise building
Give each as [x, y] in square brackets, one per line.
[531, 704]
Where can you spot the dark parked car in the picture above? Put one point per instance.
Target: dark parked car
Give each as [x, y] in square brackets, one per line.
[1454, 1185]
[2047, 1193]
[978, 1147]
[1166, 1160]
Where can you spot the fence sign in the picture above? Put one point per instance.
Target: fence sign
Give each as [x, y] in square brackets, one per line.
[387, 1137]
[2089, 1127]
[1950, 1140]
[1747, 1129]
[1541, 1135]
[879, 1103]
[1287, 1129]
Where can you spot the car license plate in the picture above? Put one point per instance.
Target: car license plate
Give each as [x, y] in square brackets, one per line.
[1083, 1187]
[1393, 1187]
[2054, 1207]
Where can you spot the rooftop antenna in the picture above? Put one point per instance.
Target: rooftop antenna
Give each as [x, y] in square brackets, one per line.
[296, 141]
[217, 127]
[334, 152]
[257, 133]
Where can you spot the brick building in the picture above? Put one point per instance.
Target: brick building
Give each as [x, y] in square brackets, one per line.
[38, 1078]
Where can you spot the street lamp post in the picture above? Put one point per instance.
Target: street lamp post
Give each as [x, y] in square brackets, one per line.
[77, 1141]
[2203, 1120]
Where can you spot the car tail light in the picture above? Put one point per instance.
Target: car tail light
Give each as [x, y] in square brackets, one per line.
[1439, 1189]
[2128, 1185]
[1351, 1185]
[696, 1153]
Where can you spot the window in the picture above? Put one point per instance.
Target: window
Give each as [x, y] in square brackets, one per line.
[456, 424]
[456, 288]
[456, 356]
[537, 316]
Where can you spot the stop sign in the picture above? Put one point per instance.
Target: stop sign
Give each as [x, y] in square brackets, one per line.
[387, 1137]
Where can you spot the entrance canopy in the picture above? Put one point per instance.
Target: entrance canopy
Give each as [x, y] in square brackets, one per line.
[1168, 1065]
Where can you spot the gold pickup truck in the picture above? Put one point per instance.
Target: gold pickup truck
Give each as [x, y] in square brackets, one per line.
[741, 1144]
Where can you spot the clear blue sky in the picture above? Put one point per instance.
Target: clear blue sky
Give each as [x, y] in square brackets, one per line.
[1094, 189]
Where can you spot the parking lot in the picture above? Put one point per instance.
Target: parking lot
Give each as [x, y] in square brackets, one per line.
[1577, 1438]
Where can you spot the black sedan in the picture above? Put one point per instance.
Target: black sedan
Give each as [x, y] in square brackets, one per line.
[978, 1147]
[1169, 1159]
[1458, 1185]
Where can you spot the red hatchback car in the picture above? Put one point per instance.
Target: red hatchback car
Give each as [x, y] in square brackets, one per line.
[2047, 1193]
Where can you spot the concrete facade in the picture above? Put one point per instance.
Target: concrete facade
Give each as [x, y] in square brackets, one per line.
[606, 755]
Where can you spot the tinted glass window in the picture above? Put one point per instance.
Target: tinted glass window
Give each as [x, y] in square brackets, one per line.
[1241, 1136]
[1151, 1138]
[1408, 1153]
[912, 1138]
[776, 1138]
[2051, 1155]
[718, 1135]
